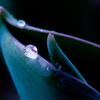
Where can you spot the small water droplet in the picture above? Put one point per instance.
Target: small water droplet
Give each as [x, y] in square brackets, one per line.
[53, 31]
[31, 51]
[58, 65]
[47, 68]
[21, 23]
[41, 30]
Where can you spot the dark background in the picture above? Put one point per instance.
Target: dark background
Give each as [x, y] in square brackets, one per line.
[79, 18]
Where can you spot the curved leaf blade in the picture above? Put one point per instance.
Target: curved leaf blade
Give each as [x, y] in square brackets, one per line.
[59, 58]
[31, 81]
[28, 74]
[38, 79]
[87, 50]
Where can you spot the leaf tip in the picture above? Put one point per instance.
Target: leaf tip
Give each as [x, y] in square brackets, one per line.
[50, 39]
[1, 9]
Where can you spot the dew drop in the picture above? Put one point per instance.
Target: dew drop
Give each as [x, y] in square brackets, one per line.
[47, 68]
[41, 30]
[21, 23]
[58, 65]
[31, 51]
[53, 31]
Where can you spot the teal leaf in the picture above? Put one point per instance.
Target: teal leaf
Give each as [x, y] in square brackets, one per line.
[28, 74]
[37, 79]
[59, 59]
[71, 45]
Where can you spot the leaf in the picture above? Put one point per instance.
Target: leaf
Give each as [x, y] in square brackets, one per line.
[82, 53]
[71, 45]
[26, 73]
[58, 58]
[38, 79]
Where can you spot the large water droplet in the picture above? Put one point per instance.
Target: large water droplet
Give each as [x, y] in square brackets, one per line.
[31, 51]
[21, 23]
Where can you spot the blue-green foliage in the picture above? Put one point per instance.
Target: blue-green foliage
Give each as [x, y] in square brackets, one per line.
[38, 79]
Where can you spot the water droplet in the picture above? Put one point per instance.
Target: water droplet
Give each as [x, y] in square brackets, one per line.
[58, 65]
[47, 68]
[21, 23]
[41, 30]
[31, 51]
[53, 31]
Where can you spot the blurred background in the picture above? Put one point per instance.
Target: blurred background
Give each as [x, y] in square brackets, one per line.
[80, 18]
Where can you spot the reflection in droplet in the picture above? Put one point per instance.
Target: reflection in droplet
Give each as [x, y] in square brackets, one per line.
[31, 51]
[21, 23]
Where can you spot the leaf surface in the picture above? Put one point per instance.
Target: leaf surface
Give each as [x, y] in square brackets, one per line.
[59, 59]
[37, 78]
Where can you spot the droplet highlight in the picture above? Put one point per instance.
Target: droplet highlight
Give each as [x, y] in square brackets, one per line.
[21, 23]
[31, 51]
